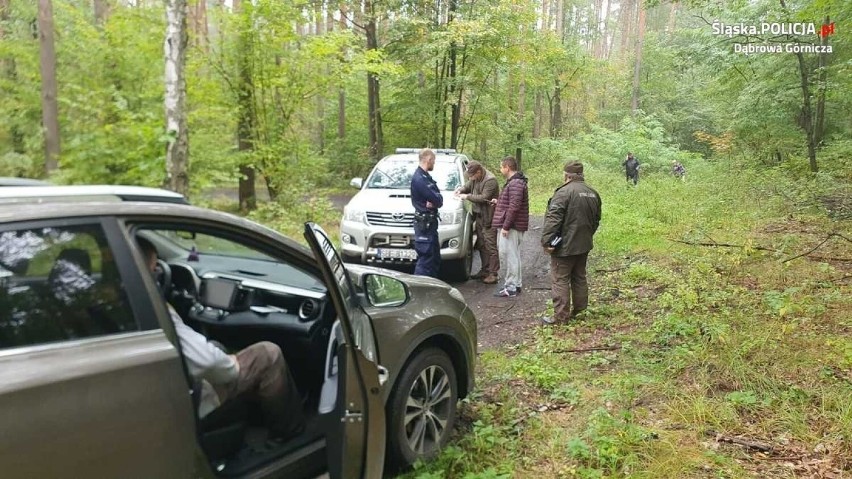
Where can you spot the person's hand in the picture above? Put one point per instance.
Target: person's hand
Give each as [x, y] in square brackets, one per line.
[464, 196]
[429, 204]
[549, 249]
[505, 233]
[236, 362]
[494, 201]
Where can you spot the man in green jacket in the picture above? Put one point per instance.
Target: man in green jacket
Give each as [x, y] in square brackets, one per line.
[573, 216]
[480, 189]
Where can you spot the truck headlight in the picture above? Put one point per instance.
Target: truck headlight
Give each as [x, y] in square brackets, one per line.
[452, 217]
[353, 214]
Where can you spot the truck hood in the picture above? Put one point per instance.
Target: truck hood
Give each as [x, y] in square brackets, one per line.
[395, 201]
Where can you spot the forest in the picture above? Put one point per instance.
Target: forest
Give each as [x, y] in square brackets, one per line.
[720, 315]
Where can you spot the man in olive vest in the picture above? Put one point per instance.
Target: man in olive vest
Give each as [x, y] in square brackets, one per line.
[573, 216]
[480, 189]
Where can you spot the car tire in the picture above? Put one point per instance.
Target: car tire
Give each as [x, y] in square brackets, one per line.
[459, 269]
[422, 409]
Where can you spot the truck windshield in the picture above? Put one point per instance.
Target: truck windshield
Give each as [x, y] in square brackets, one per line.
[396, 173]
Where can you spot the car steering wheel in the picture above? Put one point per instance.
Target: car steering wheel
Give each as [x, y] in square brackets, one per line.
[163, 277]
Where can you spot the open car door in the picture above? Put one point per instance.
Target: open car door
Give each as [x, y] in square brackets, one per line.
[351, 401]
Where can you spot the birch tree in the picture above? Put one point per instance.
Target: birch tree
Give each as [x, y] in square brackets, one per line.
[177, 147]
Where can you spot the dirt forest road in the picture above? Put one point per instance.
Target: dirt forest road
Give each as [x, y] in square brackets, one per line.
[504, 321]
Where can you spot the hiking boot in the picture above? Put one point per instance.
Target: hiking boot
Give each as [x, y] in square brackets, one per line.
[490, 279]
[479, 274]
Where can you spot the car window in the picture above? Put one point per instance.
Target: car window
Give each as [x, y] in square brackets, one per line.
[207, 244]
[59, 284]
[396, 173]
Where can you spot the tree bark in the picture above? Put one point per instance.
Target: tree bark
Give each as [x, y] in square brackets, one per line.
[49, 103]
[9, 70]
[376, 146]
[455, 91]
[537, 116]
[822, 86]
[177, 148]
[605, 43]
[637, 66]
[246, 113]
[672, 18]
[101, 8]
[341, 94]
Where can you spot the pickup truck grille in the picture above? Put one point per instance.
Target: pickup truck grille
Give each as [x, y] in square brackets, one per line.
[394, 241]
[400, 220]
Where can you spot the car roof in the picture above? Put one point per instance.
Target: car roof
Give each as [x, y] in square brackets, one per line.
[78, 193]
[10, 213]
[12, 181]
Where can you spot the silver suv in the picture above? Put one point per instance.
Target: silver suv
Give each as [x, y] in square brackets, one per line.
[378, 223]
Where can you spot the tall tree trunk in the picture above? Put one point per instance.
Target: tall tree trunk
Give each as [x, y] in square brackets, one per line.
[806, 118]
[177, 148]
[373, 94]
[670, 26]
[606, 43]
[455, 91]
[319, 22]
[537, 116]
[49, 104]
[822, 86]
[626, 18]
[8, 70]
[341, 94]
[637, 66]
[246, 112]
[560, 20]
[101, 9]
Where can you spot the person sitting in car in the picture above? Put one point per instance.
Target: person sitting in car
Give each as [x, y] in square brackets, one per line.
[258, 371]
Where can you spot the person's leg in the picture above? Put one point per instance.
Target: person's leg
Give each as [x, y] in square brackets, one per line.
[560, 275]
[265, 375]
[579, 285]
[502, 250]
[492, 255]
[436, 253]
[518, 240]
[481, 247]
[513, 261]
[424, 248]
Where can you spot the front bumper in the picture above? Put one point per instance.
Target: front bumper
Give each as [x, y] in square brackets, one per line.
[365, 241]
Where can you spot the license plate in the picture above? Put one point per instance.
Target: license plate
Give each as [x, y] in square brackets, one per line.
[390, 253]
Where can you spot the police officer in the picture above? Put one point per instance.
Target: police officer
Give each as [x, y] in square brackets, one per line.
[426, 198]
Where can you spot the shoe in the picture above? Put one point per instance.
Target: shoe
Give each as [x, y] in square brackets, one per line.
[548, 321]
[490, 279]
[506, 293]
[480, 274]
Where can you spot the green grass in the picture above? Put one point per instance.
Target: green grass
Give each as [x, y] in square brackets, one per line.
[730, 340]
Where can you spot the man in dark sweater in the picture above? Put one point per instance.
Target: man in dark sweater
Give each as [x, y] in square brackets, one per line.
[511, 220]
[573, 214]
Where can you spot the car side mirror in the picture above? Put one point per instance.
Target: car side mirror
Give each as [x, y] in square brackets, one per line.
[356, 183]
[384, 291]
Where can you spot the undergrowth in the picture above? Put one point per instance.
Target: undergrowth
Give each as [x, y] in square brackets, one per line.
[704, 327]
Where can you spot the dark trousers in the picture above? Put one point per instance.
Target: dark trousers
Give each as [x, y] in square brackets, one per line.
[428, 251]
[486, 244]
[569, 286]
[264, 376]
[634, 177]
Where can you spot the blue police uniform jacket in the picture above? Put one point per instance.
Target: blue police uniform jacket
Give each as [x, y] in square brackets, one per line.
[423, 189]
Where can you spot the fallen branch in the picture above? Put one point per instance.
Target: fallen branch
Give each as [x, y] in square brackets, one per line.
[759, 446]
[727, 245]
[587, 350]
[782, 458]
[832, 235]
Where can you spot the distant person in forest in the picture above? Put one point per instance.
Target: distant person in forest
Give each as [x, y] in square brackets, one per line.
[678, 170]
[572, 218]
[631, 168]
